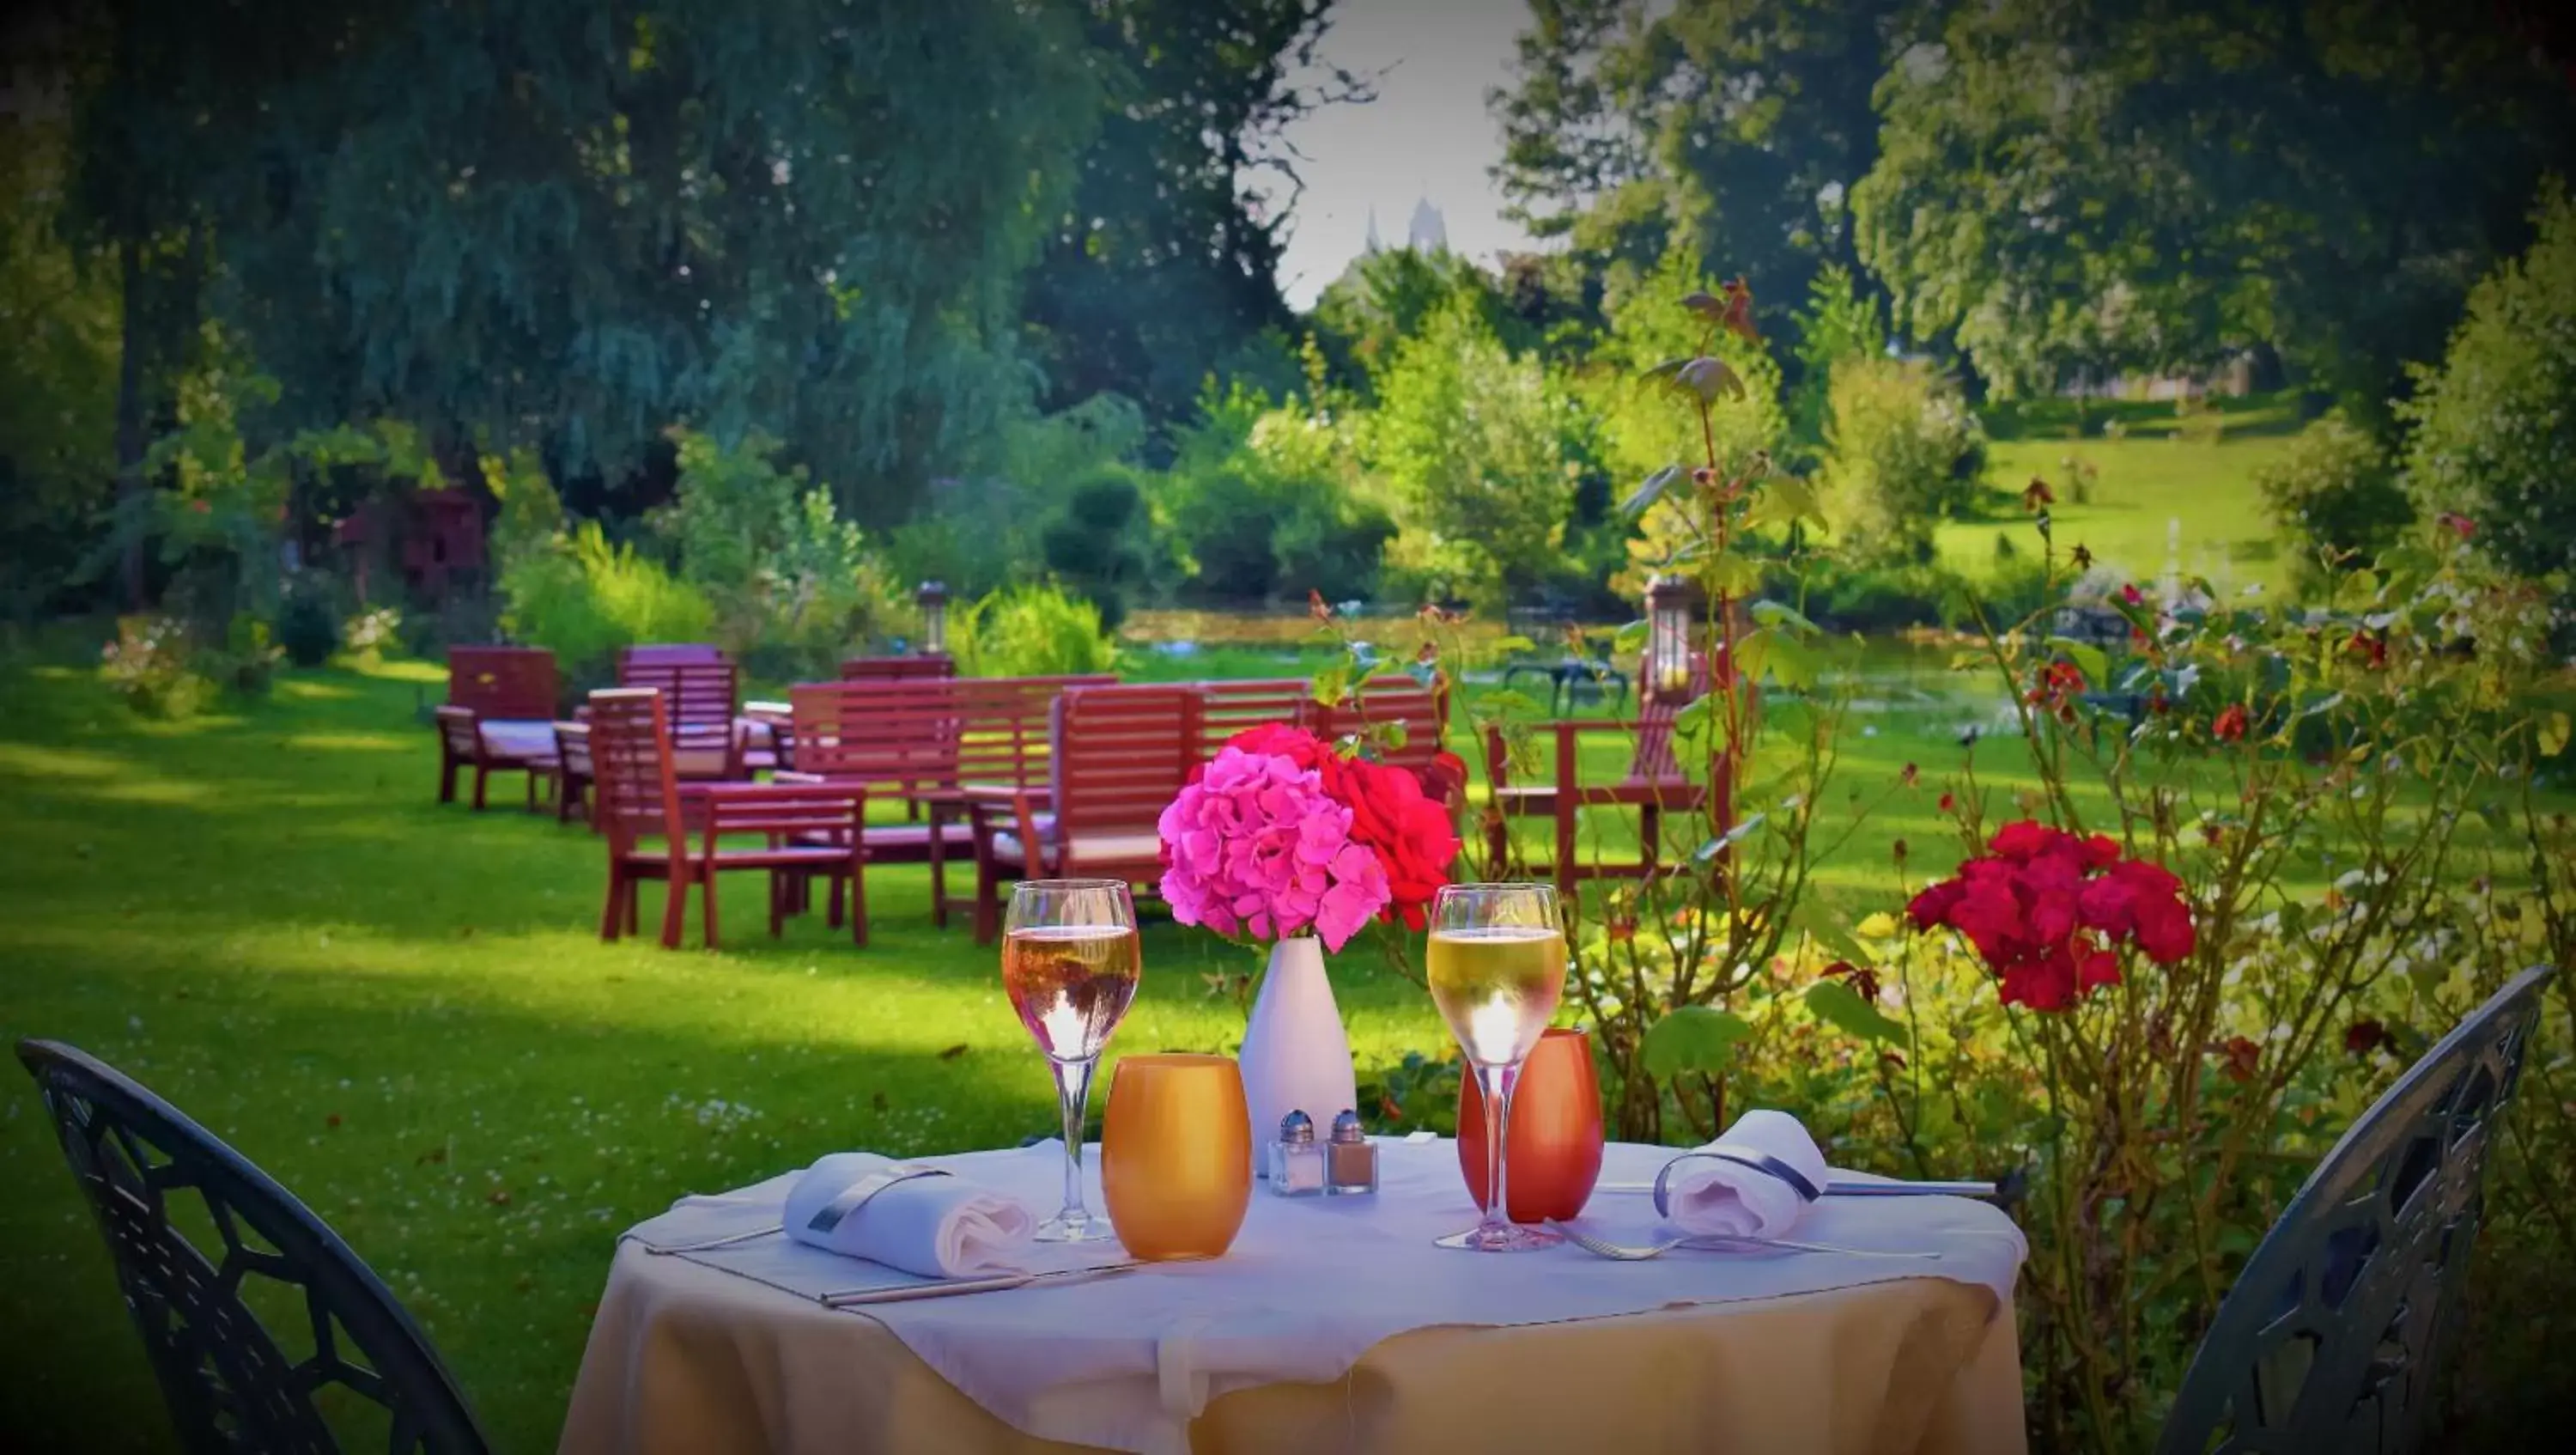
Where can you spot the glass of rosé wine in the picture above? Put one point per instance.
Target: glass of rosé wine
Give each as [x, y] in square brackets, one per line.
[1070, 962]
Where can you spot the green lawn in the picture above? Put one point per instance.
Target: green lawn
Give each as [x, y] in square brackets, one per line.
[2159, 493]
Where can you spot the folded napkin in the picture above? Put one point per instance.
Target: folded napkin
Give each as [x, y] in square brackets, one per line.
[1755, 1181]
[938, 1226]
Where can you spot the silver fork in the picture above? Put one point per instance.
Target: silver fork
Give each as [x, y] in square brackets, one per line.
[1627, 1253]
[709, 1244]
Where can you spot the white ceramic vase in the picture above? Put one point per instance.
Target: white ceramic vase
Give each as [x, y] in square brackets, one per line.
[1295, 1054]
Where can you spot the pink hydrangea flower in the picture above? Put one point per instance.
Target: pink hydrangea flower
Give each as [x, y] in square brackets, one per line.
[1257, 848]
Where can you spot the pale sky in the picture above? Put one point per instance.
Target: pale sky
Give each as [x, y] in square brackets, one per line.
[1428, 135]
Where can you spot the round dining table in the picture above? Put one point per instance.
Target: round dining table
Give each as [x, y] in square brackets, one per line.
[1330, 1325]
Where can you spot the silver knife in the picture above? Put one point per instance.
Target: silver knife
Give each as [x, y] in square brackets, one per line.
[995, 1283]
[1855, 1189]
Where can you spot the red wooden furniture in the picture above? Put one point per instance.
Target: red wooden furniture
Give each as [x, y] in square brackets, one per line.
[572, 771]
[1117, 756]
[1231, 707]
[1654, 784]
[806, 829]
[699, 687]
[667, 654]
[499, 717]
[941, 743]
[897, 669]
[1423, 714]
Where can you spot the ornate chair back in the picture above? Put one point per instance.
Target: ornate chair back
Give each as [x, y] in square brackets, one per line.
[343, 1356]
[2334, 1335]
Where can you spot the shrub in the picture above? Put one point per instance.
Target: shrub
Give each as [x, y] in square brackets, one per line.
[1031, 631]
[247, 661]
[1259, 503]
[148, 665]
[1094, 545]
[1901, 451]
[1469, 439]
[790, 583]
[2336, 491]
[583, 598]
[307, 626]
[2495, 424]
[371, 634]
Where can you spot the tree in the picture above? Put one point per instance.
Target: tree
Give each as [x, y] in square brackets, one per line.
[1901, 452]
[1384, 298]
[2094, 184]
[1160, 266]
[1469, 439]
[535, 221]
[2494, 427]
[1733, 129]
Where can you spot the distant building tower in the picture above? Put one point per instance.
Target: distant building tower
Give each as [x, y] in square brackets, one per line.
[1428, 233]
[1373, 247]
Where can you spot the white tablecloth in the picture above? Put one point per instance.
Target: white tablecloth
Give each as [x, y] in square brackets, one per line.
[1309, 1288]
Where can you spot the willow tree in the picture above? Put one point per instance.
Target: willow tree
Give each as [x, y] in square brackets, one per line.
[570, 224]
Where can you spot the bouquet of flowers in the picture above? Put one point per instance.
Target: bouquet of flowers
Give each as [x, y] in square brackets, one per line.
[1279, 835]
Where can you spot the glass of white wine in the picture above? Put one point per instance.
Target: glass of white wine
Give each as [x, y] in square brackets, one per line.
[1497, 967]
[1070, 963]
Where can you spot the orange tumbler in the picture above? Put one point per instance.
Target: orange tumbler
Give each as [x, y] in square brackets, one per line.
[1176, 1155]
[1555, 1132]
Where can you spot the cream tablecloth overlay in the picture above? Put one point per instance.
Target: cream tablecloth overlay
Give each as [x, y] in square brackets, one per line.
[688, 1358]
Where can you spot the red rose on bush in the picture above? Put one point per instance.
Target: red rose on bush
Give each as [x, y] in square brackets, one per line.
[2047, 912]
[2229, 725]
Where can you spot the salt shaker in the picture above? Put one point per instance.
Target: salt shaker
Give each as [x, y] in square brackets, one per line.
[1296, 1160]
[1350, 1158]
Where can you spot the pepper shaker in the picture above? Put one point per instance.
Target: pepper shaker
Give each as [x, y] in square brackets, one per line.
[1350, 1158]
[1296, 1160]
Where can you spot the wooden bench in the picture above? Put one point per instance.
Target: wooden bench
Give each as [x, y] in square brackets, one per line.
[1117, 756]
[1228, 708]
[938, 743]
[499, 717]
[700, 687]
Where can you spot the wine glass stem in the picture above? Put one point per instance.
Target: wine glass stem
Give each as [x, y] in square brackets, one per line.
[1073, 1091]
[1496, 1083]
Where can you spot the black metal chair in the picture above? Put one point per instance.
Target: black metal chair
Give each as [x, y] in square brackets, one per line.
[223, 1367]
[2334, 1336]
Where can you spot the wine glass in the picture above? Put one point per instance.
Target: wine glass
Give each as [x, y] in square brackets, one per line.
[1070, 962]
[1496, 967]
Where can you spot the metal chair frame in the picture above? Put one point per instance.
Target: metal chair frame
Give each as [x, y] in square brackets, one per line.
[228, 1383]
[2334, 1335]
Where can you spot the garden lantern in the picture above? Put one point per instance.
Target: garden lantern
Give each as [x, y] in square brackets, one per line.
[1673, 607]
[933, 600]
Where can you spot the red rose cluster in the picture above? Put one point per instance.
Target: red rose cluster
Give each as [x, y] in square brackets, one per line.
[2047, 911]
[1391, 814]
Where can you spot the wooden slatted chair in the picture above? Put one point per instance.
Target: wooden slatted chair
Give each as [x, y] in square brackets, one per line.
[572, 771]
[1117, 756]
[1654, 784]
[941, 743]
[668, 654]
[1422, 712]
[499, 717]
[699, 693]
[808, 829]
[1232, 707]
[897, 669]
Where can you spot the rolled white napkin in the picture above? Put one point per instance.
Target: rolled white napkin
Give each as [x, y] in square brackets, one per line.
[1746, 1184]
[938, 1227]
